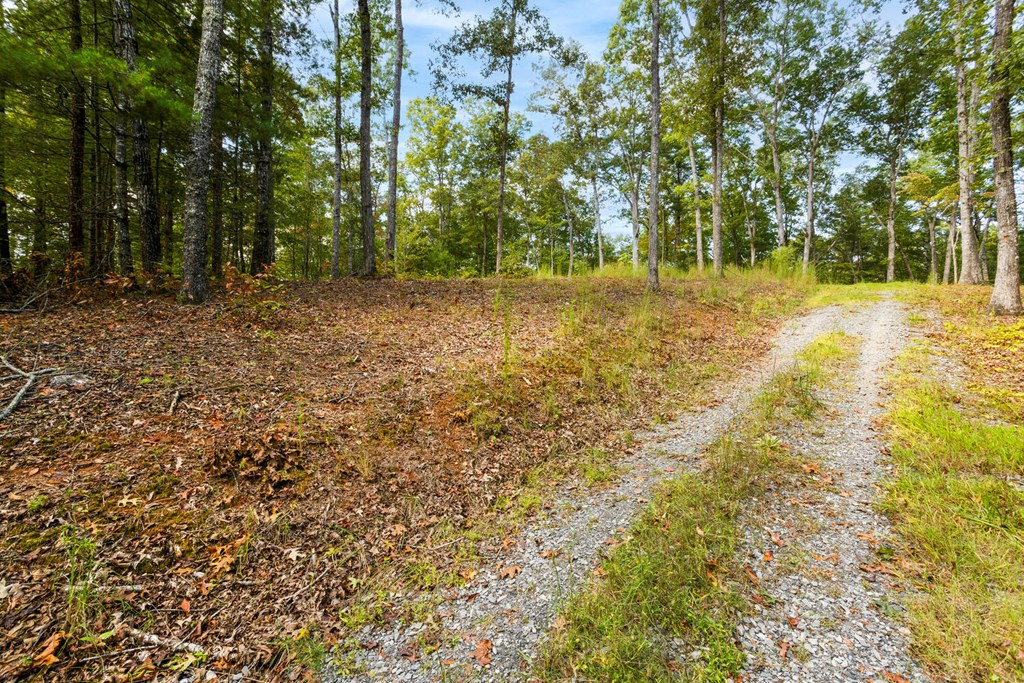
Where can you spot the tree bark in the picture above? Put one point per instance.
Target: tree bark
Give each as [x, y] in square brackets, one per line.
[263, 224]
[503, 160]
[336, 210]
[197, 168]
[76, 165]
[809, 234]
[780, 209]
[890, 218]
[597, 222]
[699, 228]
[124, 240]
[365, 95]
[5, 234]
[568, 219]
[1006, 292]
[217, 208]
[933, 256]
[634, 207]
[391, 238]
[970, 273]
[652, 207]
[717, 143]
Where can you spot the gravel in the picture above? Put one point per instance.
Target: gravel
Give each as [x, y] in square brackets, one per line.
[514, 613]
[830, 611]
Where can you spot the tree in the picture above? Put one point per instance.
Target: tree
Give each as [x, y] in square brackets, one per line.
[1006, 292]
[5, 234]
[365, 103]
[76, 162]
[263, 228]
[197, 171]
[970, 272]
[652, 211]
[513, 30]
[894, 115]
[336, 93]
[396, 122]
[820, 95]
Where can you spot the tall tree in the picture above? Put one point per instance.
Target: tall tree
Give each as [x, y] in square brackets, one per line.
[699, 228]
[1006, 292]
[970, 271]
[513, 30]
[396, 122]
[652, 210]
[76, 162]
[365, 143]
[263, 225]
[894, 115]
[336, 207]
[5, 234]
[197, 169]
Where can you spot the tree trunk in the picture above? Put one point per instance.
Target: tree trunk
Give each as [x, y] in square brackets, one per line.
[168, 248]
[217, 207]
[970, 273]
[950, 248]
[696, 207]
[653, 213]
[717, 143]
[634, 206]
[933, 256]
[5, 234]
[76, 166]
[336, 214]
[396, 122]
[39, 260]
[597, 221]
[890, 219]
[780, 209]
[124, 240]
[809, 234]
[197, 167]
[1006, 292]
[568, 219]
[365, 95]
[263, 224]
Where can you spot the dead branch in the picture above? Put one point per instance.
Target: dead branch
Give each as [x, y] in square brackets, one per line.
[174, 645]
[174, 403]
[30, 379]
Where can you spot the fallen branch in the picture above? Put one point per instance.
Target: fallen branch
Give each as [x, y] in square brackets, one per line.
[174, 403]
[30, 379]
[174, 645]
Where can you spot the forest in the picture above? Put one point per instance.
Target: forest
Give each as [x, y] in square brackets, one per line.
[170, 141]
[511, 340]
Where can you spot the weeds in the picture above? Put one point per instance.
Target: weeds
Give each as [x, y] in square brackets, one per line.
[960, 516]
[668, 591]
[82, 597]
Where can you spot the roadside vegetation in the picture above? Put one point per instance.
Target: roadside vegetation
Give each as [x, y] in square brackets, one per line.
[664, 605]
[289, 463]
[957, 498]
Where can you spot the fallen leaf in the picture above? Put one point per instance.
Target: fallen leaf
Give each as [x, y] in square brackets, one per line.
[186, 606]
[482, 653]
[550, 554]
[700, 532]
[894, 678]
[784, 649]
[768, 556]
[510, 572]
[45, 657]
[793, 621]
[777, 539]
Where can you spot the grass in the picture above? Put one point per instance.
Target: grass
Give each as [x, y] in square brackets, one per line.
[961, 520]
[672, 584]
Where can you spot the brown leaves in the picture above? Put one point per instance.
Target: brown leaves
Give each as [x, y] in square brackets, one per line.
[769, 556]
[550, 554]
[510, 572]
[482, 652]
[45, 657]
[893, 677]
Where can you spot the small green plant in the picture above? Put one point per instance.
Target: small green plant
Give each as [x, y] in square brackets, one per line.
[82, 598]
[36, 504]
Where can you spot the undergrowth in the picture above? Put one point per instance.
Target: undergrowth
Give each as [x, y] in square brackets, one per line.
[670, 589]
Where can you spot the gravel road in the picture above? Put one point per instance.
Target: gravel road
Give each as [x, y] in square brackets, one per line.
[830, 611]
[514, 613]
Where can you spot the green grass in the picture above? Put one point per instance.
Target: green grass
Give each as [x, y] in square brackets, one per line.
[851, 295]
[674, 576]
[961, 521]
